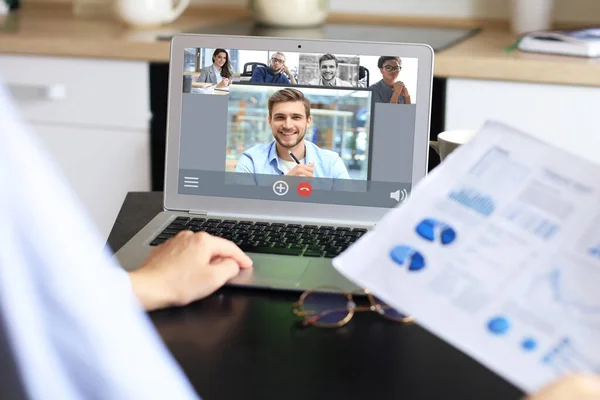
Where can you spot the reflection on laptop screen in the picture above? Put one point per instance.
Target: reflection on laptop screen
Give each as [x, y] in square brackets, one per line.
[321, 128]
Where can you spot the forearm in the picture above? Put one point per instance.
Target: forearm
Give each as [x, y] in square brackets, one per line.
[290, 76]
[394, 98]
[407, 99]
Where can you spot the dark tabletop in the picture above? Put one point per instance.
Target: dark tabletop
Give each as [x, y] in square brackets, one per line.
[246, 344]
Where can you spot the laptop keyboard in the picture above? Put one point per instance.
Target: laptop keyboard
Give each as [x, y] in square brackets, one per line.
[270, 238]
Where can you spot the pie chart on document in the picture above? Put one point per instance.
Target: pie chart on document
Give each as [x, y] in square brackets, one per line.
[408, 257]
[436, 231]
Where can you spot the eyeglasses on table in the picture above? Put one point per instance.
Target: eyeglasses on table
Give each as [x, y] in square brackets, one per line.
[329, 307]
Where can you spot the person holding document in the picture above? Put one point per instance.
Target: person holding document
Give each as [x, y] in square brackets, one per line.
[289, 153]
[67, 300]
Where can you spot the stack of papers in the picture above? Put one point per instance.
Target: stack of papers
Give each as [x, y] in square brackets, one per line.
[579, 42]
[497, 252]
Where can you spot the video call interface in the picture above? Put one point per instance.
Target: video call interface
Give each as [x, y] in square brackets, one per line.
[297, 126]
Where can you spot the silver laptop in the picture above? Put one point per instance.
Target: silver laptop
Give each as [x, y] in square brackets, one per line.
[291, 148]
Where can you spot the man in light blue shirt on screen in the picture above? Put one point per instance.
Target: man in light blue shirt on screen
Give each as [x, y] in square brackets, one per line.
[290, 154]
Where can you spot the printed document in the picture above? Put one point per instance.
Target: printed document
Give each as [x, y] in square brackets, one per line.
[497, 252]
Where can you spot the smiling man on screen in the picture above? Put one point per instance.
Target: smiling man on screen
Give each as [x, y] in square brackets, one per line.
[289, 153]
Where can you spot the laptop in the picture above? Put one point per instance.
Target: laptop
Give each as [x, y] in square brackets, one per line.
[291, 148]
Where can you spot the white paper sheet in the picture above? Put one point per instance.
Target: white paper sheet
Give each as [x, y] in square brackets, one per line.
[497, 252]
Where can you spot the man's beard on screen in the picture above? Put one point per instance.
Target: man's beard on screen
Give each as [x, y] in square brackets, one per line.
[301, 134]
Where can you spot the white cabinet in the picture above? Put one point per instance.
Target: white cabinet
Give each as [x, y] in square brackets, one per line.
[93, 118]
[563, 115]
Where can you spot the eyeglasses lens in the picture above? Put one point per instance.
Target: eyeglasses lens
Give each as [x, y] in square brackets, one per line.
[331, 308]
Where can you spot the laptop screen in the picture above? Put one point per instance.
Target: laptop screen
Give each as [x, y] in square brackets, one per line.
[296, 126]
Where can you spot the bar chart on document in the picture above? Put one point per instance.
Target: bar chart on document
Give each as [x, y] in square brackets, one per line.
[482, 196]
[493, 176]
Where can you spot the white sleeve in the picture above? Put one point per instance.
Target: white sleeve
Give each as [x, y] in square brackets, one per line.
[73, 324]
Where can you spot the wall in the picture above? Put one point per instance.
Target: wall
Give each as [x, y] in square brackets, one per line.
[586, 11]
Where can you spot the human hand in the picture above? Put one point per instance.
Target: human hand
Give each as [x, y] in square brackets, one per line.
[302, 170]
[580, 387]
[400, 88]
[224, 82]
[185, 268]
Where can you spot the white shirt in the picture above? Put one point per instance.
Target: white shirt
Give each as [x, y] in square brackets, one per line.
[335, 82]
[73, 324]
[217, 73]
[286, 165]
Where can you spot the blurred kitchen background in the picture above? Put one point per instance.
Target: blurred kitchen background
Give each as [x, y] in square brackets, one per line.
[570, 11]
[116, 139]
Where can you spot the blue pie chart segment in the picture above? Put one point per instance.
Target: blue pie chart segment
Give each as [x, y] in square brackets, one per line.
[498, 325]
[434, 230]
[448, 235]
[529, 344]
[408, 257]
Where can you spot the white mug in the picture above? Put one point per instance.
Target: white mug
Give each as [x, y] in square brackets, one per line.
[531, 15]
[289, 13]
[149, 12]
[448, 141]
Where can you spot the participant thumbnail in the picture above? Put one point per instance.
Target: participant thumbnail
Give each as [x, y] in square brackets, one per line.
[392, 79]
[329, 70]
[299, 131]
[213, 71]
[207, 70]
[276, 72]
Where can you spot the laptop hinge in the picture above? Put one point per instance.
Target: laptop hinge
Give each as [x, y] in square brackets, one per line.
[197, 212]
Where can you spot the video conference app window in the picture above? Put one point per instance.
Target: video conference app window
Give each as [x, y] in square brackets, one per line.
[359, 126]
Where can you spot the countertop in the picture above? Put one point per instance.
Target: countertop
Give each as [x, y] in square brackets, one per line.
[55, 31]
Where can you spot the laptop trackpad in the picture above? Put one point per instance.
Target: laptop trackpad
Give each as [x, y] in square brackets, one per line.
[284, 271]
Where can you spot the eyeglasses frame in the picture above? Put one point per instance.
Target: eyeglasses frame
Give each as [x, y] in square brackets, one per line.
[392, 70]
[309, 319]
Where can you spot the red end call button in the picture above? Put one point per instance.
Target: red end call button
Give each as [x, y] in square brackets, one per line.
[304, 189]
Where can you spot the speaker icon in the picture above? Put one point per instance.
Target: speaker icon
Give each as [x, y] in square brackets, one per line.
[399, 195]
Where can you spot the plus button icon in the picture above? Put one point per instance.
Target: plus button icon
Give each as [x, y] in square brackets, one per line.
[280, 188]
